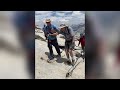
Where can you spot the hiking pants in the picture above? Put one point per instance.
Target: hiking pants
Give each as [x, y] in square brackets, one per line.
[55, 44]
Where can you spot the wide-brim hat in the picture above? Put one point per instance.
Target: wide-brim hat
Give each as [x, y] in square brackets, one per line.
[62, 26]
[48, 20]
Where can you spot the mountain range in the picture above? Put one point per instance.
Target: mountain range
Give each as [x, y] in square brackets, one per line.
[75, 19]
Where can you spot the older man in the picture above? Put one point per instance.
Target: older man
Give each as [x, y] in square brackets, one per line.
[69, 42]
[51, 32]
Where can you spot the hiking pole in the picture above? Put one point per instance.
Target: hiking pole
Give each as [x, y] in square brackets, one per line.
[69, 73]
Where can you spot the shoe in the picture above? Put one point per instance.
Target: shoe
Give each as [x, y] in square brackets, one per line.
[59, 56]
[52, 60]
[68, 62]
[51, 57]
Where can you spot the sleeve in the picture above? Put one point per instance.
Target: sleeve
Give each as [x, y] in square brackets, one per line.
[56, 29]
[72, 32]
[60, 32]
[44, 30]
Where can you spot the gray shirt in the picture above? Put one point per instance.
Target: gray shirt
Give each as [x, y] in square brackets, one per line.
[68, 33]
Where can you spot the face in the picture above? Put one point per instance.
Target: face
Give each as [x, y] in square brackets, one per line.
[63, 29]
[48, 23]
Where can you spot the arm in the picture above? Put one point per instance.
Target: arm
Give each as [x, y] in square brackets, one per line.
[72, 34]
[55, 31]
[45, 33]
[73, 39]
[54, 34]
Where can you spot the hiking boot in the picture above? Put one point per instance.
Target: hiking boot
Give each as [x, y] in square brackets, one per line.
[52, 60]
[51, 57]
[69, 62]
[59, 56]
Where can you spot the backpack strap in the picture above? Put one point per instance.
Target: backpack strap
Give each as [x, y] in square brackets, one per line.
[68, 30]
[47, 28]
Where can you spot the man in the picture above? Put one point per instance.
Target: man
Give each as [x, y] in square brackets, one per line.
[69, 42]
[51, 32]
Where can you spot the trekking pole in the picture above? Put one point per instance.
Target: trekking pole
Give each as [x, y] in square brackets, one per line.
[69, 73]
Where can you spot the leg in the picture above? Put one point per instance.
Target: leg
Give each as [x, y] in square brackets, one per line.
[71, 52]
[71, 45]
[67, 50]
[55, 44]
[68, 57]
[82, 47]
[67, 53]
[72, 56]
[50, 47]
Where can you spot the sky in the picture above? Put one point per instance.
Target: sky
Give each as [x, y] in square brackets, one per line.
[57, 17]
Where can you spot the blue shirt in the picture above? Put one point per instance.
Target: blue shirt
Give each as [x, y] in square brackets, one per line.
[48, 29]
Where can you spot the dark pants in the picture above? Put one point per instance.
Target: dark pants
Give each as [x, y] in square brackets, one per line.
[55, 44]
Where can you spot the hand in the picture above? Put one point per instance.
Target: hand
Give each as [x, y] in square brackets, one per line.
[48, 35]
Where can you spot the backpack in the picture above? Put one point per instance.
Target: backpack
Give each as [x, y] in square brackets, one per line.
[69, 33]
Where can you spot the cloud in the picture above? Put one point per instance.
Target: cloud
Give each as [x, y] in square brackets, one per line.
[71, 17]
[42, 12]
[76, 13]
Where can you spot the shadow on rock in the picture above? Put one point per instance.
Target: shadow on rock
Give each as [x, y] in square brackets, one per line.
[39, 38]
[61, 60]
[47, 53]
[77, 54]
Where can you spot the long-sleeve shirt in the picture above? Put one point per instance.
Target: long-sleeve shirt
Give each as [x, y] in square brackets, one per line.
[68, 33]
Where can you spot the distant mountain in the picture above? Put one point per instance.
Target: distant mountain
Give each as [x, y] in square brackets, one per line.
[78, 29]
[75, 19]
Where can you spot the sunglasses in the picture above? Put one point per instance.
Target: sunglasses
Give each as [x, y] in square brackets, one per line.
[47, 22]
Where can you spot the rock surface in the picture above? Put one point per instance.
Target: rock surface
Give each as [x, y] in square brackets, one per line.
[57, 69]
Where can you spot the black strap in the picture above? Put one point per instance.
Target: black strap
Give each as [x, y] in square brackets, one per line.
[68, 30]
[49, 29]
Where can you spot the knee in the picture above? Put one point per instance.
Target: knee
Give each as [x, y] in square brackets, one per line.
[67, 51]
[70, 51]
[49, 46]
[56, 46]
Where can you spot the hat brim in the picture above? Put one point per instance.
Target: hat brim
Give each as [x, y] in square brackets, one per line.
[62, 26]
[47, 21]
